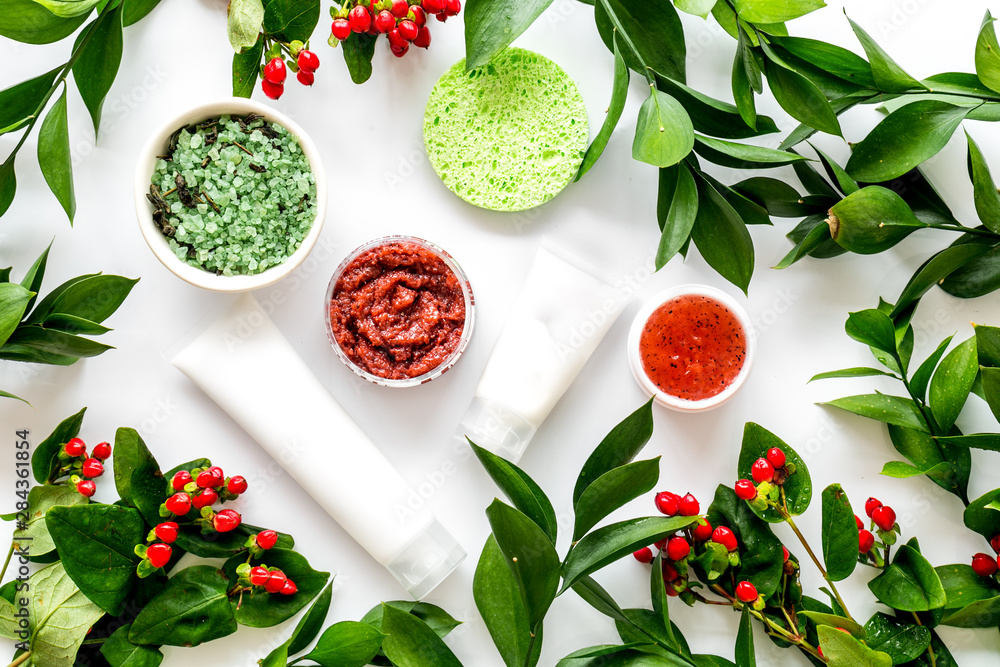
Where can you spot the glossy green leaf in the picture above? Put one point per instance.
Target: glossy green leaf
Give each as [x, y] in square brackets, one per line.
[95, 298]
[409, 642]
[937, 269]
[986, 441]
[620, 656]
[884, 408]
[780, 199]
[873, 328]
[501, 605]
[845, 183]
[136, 10]
[61, 617]
[659, 600]
[246, 69]
[40, 500]
[928, 455]
[191, 609]
[14, 299]
[663, 135]
[852, 373]
[619, 93]
[291, 19]
[952, 382]
[72, 324]
[704, 660]
[54, 157]
[900, 470]
[491, 26]
[436, 618]
[611, 491]
[775, 11]
[909, 583]
[28, 338]
[69, 8]
[889, 76]
[835, 621]
[714, 117]
[843, 650]
[618, 447]
[700, 8]
[722, 237]
[757, 440]
[742, 156]
[267, 610]
[743, 91]
[760, 549]
[962, 586]
[980, 518]
[8, 184]
[749, 211]
[120, 652]
[45, 458]
[987, 199]
[597, 597]
[745, 653]
[901, 641]
[677, 208]
[802, 100]
[245, 18]
[130, 452]
[643, 630]
[990, 378]
[830, 58]
[312, 622]
[812, 242]
[871, 220]
[520, 489]
[349, 644]
[358, 53]
[97, 65]
[978, 614]
[988, 54]
[20, 102]
[653, 31]
[29, 22]
[988, 345]
[840, 534]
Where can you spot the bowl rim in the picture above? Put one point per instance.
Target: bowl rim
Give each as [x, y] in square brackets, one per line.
[635, 358]
[157, 242]
[470, 312]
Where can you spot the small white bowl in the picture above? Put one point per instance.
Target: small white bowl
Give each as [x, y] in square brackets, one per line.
[635, 358]
[157, 145]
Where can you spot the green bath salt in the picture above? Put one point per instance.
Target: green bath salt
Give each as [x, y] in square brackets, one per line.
[233, 195]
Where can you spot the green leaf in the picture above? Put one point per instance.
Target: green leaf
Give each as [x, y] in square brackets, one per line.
[130, 453]
[843, 650]
[987, 199]
[14, 300]
[757, 440]
[872, 220]
[245, 20]
[745, 654]
[900, 470]
[530, 555]
[72, 324]
[987, 345]
[978, 614]
[409, 642]
[742, 156]
[873, 328]
[909, 583]
[191, 609]
[986, 441]
[928, 455]
[962, 586]
[499, 602]
[988, 54]
[358, 53]
[834, 621]
[45, 459]
[29, 22]
[7, 394]
[889, 76]
[663, 135]
[621, 656]
[8, 184]
[840, 534]
[608, 544]
[612, 490]
[348, 644]
[619, 93]
[990, 378]
[246, 69]
[722, 237]
[618, 447]
[54, 157]
[852, 373]
[845, 183]
[936, 269]
[97, 65]
[700, 8]
[291, 20]
[267, 610]
[677, 208]
[811, 243]
[491, 26]
[643, 626]
[830, 58]
[800, 97]
[775, 11]
[714, 117]
[120, 652]
[40, 500]
[762, 557]
[952, 383]
[922, 376]
[659, 600]
[61, 617]
[136, 10]
[883, 408]
[69, 8]
[94, 298]
[520, 489]
[20, 103]
[652, 33]
[436, 618]
[901, 641]
[982, 519]
[312, 622]
[743, 86]
[49, 341]
[904, 139]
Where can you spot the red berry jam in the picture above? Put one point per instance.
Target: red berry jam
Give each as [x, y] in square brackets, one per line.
[693, 347]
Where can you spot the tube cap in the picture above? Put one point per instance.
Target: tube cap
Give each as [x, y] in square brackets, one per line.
[497, 429]
[427, 561]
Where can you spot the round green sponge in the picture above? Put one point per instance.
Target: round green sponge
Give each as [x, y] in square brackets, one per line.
[509, 135]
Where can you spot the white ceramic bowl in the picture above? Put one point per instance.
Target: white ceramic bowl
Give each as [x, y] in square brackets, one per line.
[157, 145]
[635, 358]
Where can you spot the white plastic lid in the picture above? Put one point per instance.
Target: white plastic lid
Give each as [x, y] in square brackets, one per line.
[427, 560]
[496, 429]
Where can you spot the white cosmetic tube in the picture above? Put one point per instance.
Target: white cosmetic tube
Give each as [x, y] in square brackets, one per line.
[561, 314]
[244, 364]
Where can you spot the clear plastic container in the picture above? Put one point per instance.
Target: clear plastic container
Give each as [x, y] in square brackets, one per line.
[451, 359]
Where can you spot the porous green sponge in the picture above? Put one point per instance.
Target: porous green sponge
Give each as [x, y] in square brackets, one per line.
[509, 135]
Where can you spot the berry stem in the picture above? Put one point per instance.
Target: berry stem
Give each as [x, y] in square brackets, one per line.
[930, 651]
[21, 660]
[10, 554]
[770, 626]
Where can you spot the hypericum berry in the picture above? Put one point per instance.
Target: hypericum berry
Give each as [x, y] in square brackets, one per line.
[643, 555]
[159, 554]
[75, 447]
[661, 544]
[433, 6]
[408, 30]
[266, 539]
[341, 28]
[275, 70]
[442, 17]
[400, 8]
[396, 40]
[725, 537]
[859, 522]
[359, 19]
[205, 480]
[92, 468]
[668, 503]
[984, 565]
[746, 592]
[669, 572]
[167, 531]
[745, 489]
[275, 581]
[179, 503]
[289, 588]
[871, 505]
[219, 475]
[399, 51]
[884, 517]
[678, 548]
[237, 484]
[272, 90]
[206, 498]
[419, 15]
[452, 7]
[227, 520]
[305, 77]
[308, 61]
[423, 38]
[784, 553]
[259, 576]
[102, 451]
[702, 531]
[865, 541]
[385, 21]
[776, 457]
[689, 505]
[762, 471]
[181, 479]
[995, 543]
[86, 488]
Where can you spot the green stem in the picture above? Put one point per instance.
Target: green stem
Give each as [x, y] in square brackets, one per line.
[964, 230]
[10, 554]
[21, 660]
[616, 24]
[930, 651]
[770, 626]
[531, 648]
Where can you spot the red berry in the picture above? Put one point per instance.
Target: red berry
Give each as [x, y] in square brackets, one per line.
[746, 592]
[219, 475]
[669, 572]
[385, 21]
[745, 489]
[661, 544]
[341, 28]
[305, 77]
[86, 488]
[396, 40]
[865, 541]
[702, 531]
[776, 457]
[259, 576]
[308, 60]
[237, 485]
[408, 30]
[272, 90]
[92, 468]
[289, 588]
[360, 20]
[725, 537]
[227, 520]
[206, 479]
[275, 581]
[423, 39]
[884, 517]
[859, 522]
[180, 480]
[442, 17]
[644, 555]
[75, 447]
[995, 543]
[102, 451]
[419, 15]
[400, 8]
[784, 553]
[204, 499]
[433, 6]
[399, 51]
[871, 505]
[179, 504]
[668, 503]
[167, 531]
[984, 565]
[762, 471]
[689, 506]
[266, 539]
[453, 7]
[158, 554]
[275, 71]
[678, 548]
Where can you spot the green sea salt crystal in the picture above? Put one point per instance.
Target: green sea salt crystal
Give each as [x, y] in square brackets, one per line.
[239, 220]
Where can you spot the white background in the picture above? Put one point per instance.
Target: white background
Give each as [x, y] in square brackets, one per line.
[380, 183]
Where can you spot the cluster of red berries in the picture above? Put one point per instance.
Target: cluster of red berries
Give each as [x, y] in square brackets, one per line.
[83, 469]
[768, 472]
[883, 518]
[403, 22]
[200, 489]
[302, 61]
[986, 565]
[271, 580]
